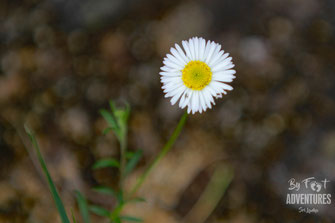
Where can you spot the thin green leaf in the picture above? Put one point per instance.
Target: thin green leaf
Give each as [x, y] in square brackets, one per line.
[106, 130]
[117, 119]
[83, 207]
[133, 161]
[137, 199]
[115, 214]
[119, 197]
[122, 114]
[110, 119]
[73, 218]
[112, 106]
[127, 112]
[111, 162]
[131, 218]
[52, 187]
[106, 190]
[116, 220]
[129, 154]
[99, 211]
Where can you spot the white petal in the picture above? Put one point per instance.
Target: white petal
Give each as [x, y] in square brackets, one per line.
[170, 74]
[182, 54]
[191, 45]
[182, 98]
[173, 91]
[229, 66]
[196, 48]
[172, 85]
[222, 66]
[202, 101]
[216, 58]
[202, 46]
[208, 98]
[195, 102]
[224, 78]
[177, 95]
[222, 58]
[171, 64]
[212, 47]
[169, 79]
[188, 97]
[178, 56]
[207, 49]
[188, 109]
[212, 92]
[219, 90]
[225, 72]
[217, 84]
[187, 49]
[168, 69]
[215, 54]
[176, 60]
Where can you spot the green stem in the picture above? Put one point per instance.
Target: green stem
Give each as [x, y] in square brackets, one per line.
[123, 145]
[211, 196]
[161, 154]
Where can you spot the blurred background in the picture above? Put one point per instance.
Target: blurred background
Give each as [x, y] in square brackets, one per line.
[61, 61]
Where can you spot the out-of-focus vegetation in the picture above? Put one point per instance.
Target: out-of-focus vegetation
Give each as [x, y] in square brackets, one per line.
[61, 61]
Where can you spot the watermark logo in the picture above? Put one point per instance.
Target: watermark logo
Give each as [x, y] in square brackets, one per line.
[308, 193]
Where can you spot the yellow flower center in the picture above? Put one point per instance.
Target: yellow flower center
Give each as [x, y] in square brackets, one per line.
[196, 75]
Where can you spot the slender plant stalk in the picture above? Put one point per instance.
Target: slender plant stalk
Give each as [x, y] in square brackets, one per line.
[123, 145]
[161, 154]
[209, 199]
[52, 187]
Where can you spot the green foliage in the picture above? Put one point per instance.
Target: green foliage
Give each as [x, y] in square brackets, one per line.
[83, 207]
[107, 130]
[129, 154]
[117, 119]
[73, 217]
[99, 211]
[133, 161]
[105, 190]
[137, 199]
[52, 187]
[111, 121]
[110, 162]
[120, 198]
[130, 218]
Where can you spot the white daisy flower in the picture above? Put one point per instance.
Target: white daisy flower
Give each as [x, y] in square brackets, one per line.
[197, 74]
